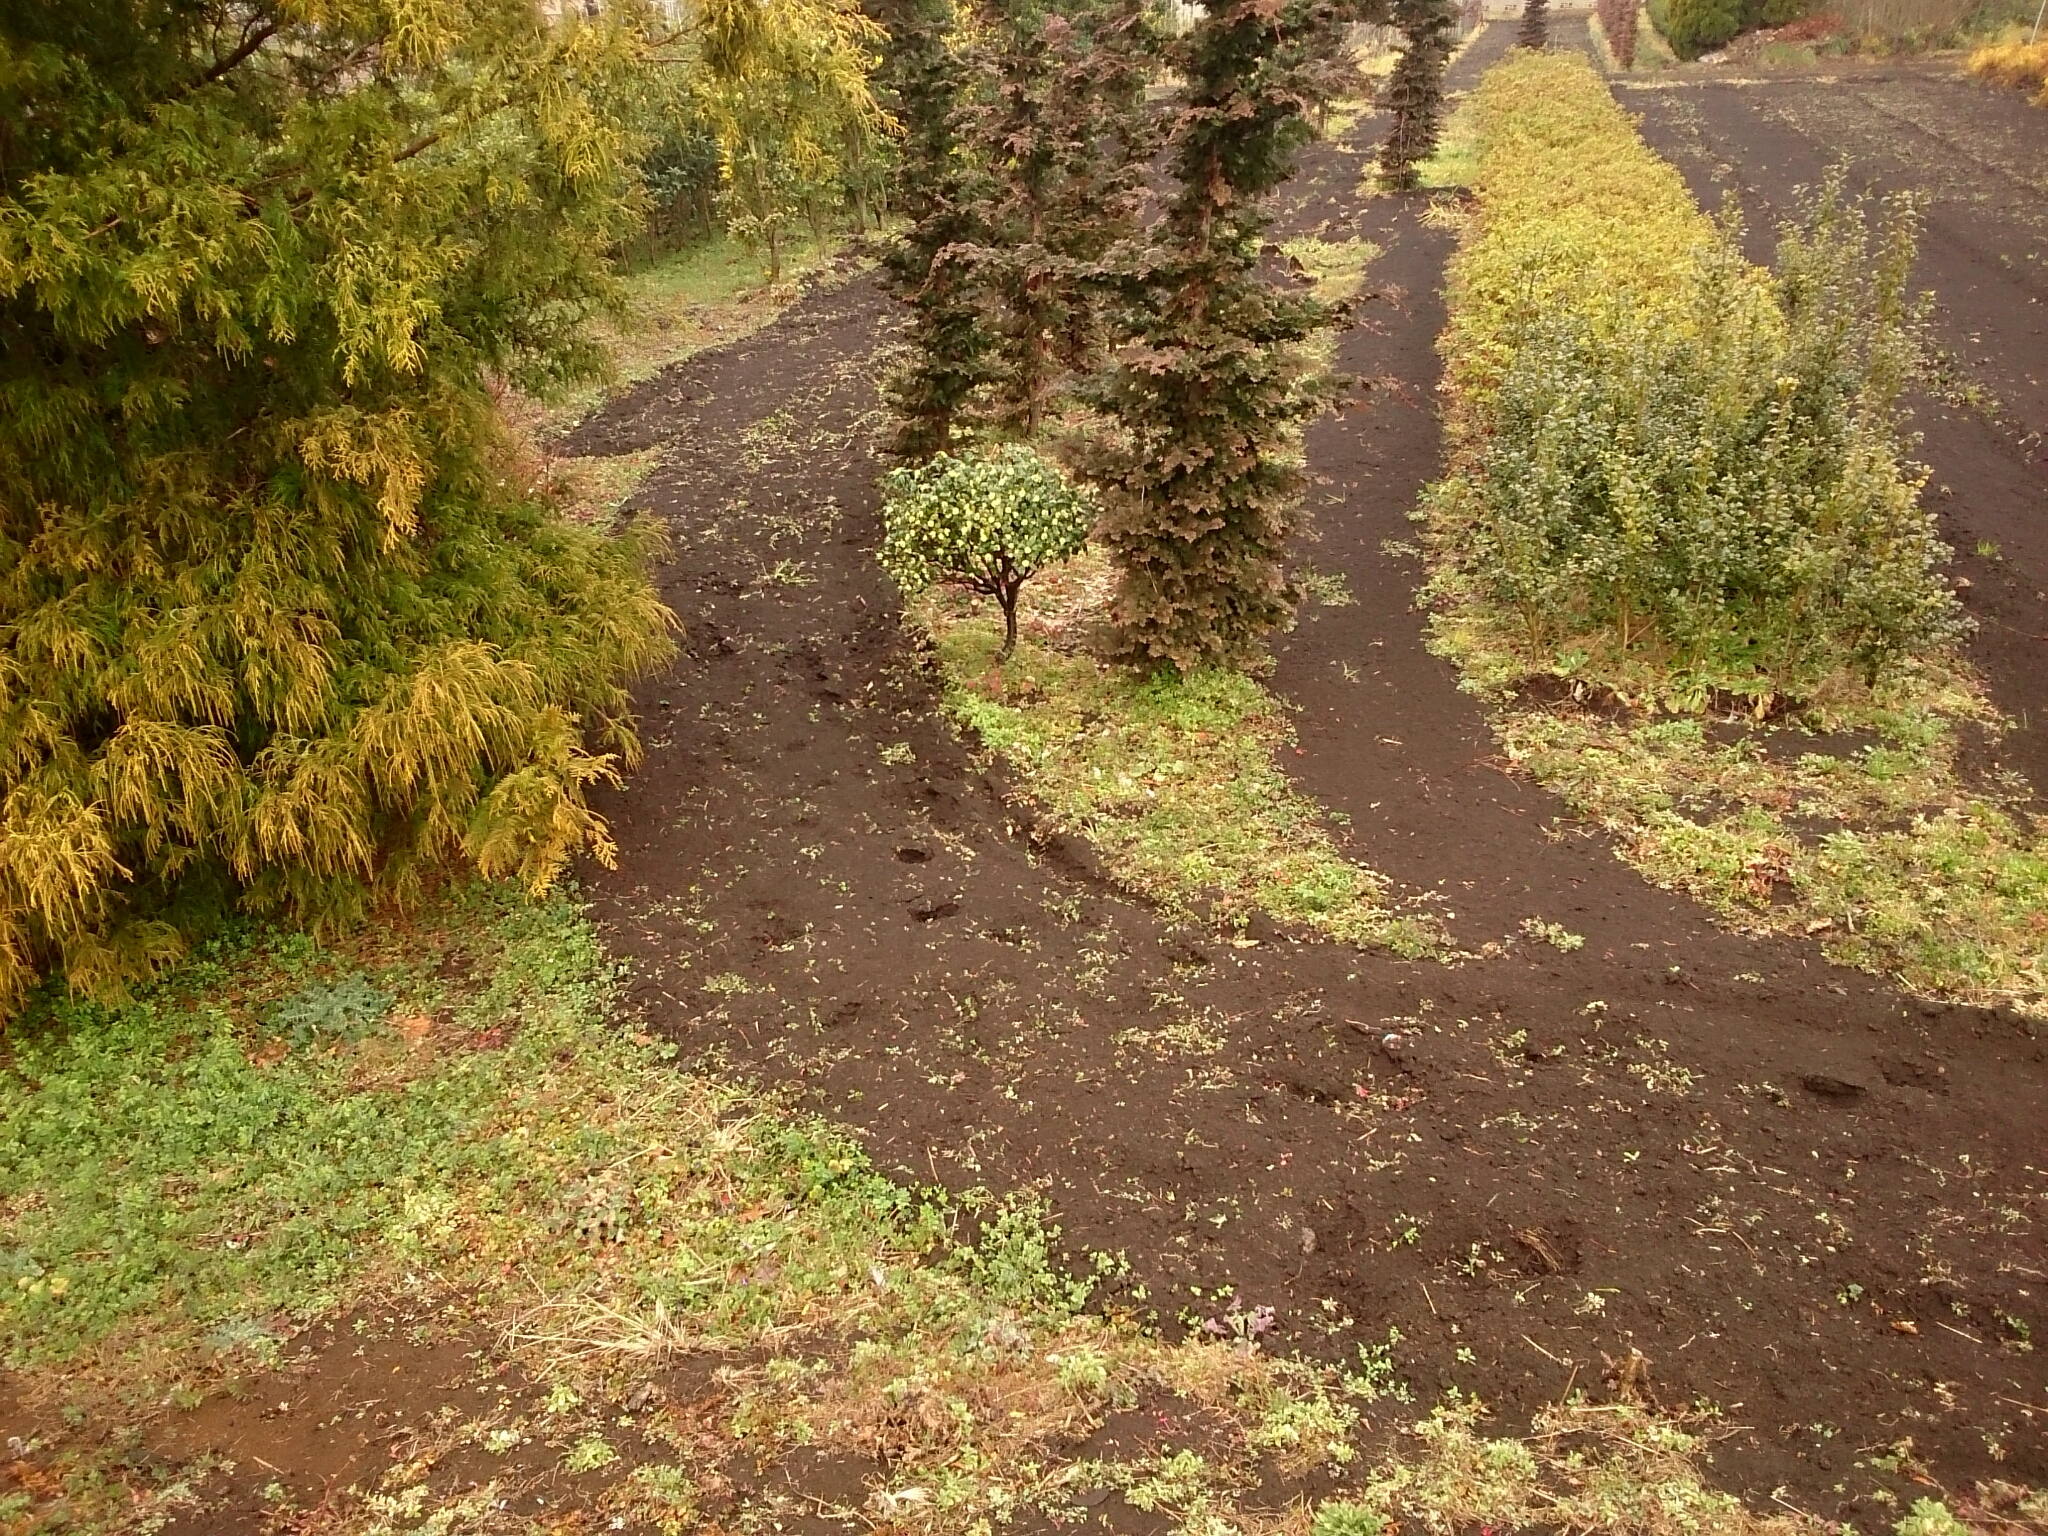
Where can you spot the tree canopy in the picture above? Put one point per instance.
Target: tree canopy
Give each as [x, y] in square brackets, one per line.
[783, 84]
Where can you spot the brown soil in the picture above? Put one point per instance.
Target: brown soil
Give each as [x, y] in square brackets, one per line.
[1810, 1201]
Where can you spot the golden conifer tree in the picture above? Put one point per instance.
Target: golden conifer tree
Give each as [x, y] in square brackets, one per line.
[278, 621]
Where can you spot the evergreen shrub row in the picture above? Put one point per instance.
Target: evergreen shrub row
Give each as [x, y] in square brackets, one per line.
[1694, 27]
[1675, 472]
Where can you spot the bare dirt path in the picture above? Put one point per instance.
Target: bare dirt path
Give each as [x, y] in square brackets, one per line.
[1725, 1154]
[1977, 158]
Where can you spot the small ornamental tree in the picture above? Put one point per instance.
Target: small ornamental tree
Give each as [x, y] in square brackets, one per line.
[1415, 90]
[987, 524]
[1212, 384]
[1535, 29]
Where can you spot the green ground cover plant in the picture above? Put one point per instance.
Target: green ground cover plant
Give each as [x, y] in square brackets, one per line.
[1626, 40]
[278, 1134]
[1455, 160]
[445, 1111]
[1679, 512]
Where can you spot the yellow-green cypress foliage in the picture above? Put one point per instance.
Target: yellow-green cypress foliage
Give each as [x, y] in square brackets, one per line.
[279, 624]
[785, 88]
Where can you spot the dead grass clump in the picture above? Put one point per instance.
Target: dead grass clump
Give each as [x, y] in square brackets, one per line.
[1592, 1468]
[2018, 66]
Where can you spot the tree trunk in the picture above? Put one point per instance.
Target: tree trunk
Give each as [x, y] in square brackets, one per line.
[1009, 601]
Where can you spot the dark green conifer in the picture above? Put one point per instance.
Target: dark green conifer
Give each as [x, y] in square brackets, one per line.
[1534, 31]
[940, 189]
[1212, 385]
[1415, 90]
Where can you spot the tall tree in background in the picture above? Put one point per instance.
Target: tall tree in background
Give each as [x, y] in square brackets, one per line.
[1534, 31]
[1618, 24]
[1415, 90]
[939, 189]
[783, 84]
[279, 624]
[1064, 137]
[1212, 385]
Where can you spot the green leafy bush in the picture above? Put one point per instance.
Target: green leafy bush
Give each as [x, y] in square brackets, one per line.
[278, 620]
[1694, 27]
[1676, 473]
[982, 523]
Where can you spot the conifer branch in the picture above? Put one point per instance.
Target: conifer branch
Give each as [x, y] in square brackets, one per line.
[251, 41]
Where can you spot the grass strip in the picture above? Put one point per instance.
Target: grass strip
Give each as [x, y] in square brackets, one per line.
[1174, 781]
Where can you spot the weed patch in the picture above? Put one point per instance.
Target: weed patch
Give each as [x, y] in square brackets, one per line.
[1881, 852]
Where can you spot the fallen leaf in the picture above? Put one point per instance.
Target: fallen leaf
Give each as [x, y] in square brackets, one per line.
[1900, 1325]
[413, 1027]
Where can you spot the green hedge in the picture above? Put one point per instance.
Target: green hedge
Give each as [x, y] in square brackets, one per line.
[1675, 473]
[1694, 27]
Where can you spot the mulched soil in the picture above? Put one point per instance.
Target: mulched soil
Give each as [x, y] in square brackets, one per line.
[1810, 1201]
